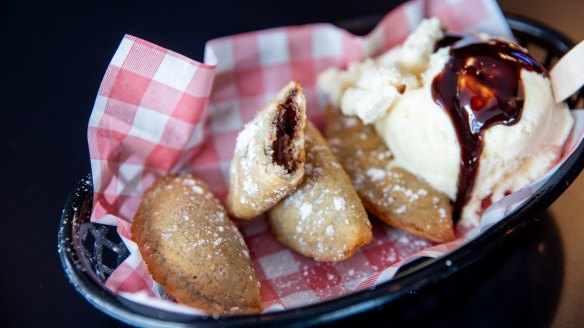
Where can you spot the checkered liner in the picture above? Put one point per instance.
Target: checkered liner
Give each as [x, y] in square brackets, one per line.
[158, 112]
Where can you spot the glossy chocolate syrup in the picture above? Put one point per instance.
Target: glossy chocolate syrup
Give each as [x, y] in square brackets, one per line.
[479, 87]
[286, 121]
[447, 40]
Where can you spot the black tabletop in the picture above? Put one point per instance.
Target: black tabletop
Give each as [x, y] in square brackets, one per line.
[53, 59]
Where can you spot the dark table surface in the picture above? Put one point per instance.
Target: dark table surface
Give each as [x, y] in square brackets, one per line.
[53, 58]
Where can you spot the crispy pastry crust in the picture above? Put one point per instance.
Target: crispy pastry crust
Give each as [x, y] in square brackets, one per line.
[324, 218]
[193, 249]
[268, 163]
[392, 194]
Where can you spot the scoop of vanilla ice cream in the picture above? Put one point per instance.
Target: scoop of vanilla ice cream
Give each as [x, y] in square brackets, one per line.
[416, 51]
[373, 85]
[333, 82]
[374, 92]
[516, 155]
[422, 138]
[381, 82]
[421, 134]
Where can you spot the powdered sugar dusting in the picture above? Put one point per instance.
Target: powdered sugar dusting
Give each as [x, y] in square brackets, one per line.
[442, 212]
[397, 196]
[305, 211]
[193, 184]
[376, 174]
[246, 151]
[256, 181]
[330, 230]
[401, 210]
[326, 210]
[190, 226]
[339, 203]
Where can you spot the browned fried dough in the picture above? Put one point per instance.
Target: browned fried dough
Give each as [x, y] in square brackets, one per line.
[392, 194]
[324, 218]
[192, 248]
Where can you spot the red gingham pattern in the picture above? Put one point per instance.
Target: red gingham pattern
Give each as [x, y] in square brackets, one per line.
[149, 113]
[159, 112]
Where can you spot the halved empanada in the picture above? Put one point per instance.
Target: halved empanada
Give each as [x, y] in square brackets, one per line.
[268, 163]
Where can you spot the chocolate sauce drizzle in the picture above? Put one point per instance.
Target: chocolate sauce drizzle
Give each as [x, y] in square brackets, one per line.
[479, 87]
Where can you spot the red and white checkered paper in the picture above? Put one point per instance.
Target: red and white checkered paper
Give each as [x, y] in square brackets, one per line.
[158, 112]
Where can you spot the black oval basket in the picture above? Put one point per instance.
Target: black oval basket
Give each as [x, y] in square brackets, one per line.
[89, 252]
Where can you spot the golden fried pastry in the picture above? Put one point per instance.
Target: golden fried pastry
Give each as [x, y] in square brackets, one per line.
[392, 194]
[268, 163]
[324, 218]
[192, 248]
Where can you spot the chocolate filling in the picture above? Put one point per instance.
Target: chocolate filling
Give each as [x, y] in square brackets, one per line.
[286, 121]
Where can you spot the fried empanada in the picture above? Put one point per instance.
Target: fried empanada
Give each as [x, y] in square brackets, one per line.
[268, 163]
[193, 249]
[324, 218]
[394, 195]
